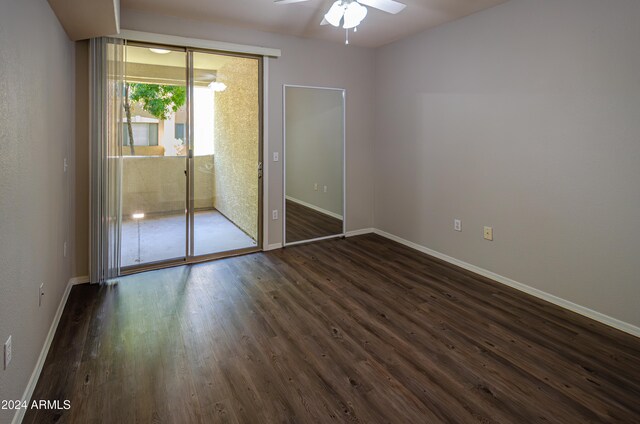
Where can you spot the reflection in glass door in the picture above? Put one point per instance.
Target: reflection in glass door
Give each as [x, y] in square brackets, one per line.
[225, 179]
[154, 147]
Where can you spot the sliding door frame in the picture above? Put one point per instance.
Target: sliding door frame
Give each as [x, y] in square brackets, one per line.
[171, 262]
[190, 257]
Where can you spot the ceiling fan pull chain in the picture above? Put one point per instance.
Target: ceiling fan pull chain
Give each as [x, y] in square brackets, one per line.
[346, 41]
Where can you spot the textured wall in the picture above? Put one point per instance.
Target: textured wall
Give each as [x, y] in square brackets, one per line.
[236, 144]
[36, 133]
[524, 117]
[157, 184]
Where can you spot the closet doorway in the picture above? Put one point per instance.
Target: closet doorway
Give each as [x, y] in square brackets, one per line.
[314, 155]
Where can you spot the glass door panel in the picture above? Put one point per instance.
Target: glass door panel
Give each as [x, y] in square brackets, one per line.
[225, 185]
[154, 146]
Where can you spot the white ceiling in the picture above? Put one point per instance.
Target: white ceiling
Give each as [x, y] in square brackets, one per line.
[303, 19]
[83, 19]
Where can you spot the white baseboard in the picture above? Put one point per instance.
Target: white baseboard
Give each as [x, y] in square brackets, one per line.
[273, 246]
[359, 232]
[579, 309]
[314, 207]
[79, 280]
[35, 375]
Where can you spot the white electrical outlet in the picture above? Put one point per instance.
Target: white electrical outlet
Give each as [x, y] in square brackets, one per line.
[274, 214]
[324, 189]
[66, 165]
[488, 233]
[457, 225]
[40, 294]
[276, 156]
[64, 249]
[315, 186]
[7, 353]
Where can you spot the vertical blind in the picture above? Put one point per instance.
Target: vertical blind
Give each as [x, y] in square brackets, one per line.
[107, 96]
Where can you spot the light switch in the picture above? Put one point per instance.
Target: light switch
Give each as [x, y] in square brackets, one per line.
[276, 156]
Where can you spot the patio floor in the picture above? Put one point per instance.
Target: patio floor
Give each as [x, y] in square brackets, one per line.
[163, 237]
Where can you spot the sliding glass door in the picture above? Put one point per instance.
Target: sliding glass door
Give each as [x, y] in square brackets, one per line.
[191, 175]
[154, 146]
[226, 153]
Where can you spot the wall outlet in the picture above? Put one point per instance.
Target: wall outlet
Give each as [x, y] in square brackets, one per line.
[276, 156]
[488, 233]
[274, 214]
[64, 249]
[7, 353]
[315, 186]
[40, 294]
[457, 225]
[324, 189]
[65, 165]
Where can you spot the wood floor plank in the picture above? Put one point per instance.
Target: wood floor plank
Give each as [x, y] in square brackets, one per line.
[304, 223]
[349, 330]
[415, 372]
[57, 381]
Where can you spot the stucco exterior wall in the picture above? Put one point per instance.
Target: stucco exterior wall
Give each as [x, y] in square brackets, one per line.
[157, 184]
[236, 145]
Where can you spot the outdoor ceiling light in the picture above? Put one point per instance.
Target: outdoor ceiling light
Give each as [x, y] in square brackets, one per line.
[138, 215]
[160, 51]
[218, 86]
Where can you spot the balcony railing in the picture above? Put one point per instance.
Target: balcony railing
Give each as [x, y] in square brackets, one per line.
[157, 184]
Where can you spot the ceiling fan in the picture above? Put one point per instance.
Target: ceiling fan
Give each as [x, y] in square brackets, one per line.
[352, 12]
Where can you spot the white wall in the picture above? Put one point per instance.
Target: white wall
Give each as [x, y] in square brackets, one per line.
[314, 147]
[36, 132]
[303, 62]
[525, 117]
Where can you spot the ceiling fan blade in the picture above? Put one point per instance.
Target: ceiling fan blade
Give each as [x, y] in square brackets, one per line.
[389, 6]
[288, 1]
[324, 22]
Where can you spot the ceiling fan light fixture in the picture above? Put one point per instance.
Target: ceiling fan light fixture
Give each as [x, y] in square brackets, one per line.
[354, 14]
[335, 13]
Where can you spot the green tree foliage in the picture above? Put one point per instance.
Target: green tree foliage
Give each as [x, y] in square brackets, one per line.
[158, 100]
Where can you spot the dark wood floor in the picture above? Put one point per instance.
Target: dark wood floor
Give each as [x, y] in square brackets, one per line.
[304, 223]
[356, 330]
